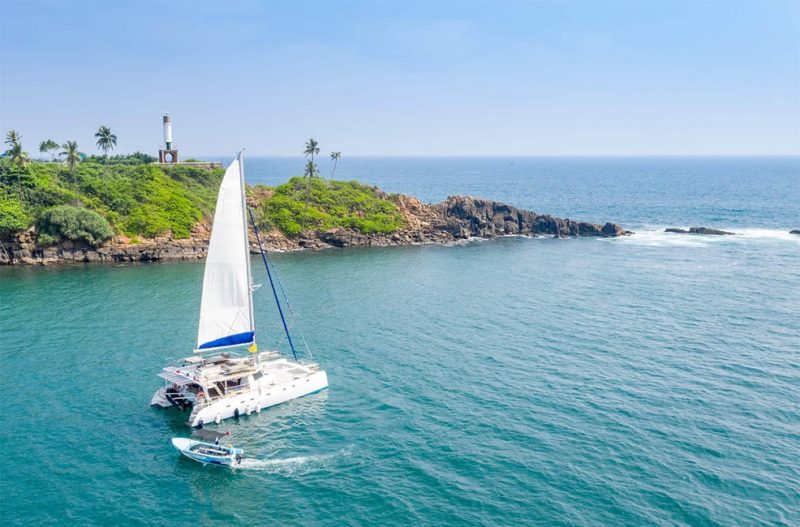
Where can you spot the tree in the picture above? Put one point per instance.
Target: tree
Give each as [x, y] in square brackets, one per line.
[312, 149]
[335, 156]
[105, 140]
[65, 222]
[49, 146]
[71, 154]
[12, 137]
[13, 217]
[310, 170]
[17, 155]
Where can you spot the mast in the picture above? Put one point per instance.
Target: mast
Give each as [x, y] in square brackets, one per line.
[246, 244]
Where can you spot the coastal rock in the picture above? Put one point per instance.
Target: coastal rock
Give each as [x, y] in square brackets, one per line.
[699, 230]
[796, 231]
[19, 250]
[465, 216]
[456, 218]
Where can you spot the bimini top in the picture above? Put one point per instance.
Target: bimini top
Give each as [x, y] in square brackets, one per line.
[226, 308]
[176, 376]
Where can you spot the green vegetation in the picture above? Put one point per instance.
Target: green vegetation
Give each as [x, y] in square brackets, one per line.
[13, 217]
[65, 222]
[310, 171]
[71, 154]
[49, 146]
[106, 141]
[92, 198]
[330, 204]
[135, 200]
[136, 158]
[15, 152]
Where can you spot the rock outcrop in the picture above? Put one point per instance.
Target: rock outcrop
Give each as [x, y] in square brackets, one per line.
[465, 216]
[699, 230]
[796, 231]
[457, 218]
[23, 250]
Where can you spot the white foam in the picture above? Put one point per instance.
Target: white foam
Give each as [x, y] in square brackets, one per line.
[652, 236]
[292, 465]
[770, 234]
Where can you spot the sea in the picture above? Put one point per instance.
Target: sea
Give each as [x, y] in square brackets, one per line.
[652, 379]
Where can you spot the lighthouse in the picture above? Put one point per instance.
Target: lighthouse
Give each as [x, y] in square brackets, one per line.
[167, 154]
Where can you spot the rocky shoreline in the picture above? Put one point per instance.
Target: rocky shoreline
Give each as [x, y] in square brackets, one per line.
[457, 218]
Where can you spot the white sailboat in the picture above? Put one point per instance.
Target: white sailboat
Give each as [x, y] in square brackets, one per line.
[216, 382]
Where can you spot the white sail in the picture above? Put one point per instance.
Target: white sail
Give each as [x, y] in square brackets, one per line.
[226, 309]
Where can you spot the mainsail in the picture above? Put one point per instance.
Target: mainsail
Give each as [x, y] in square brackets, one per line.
[226, 309]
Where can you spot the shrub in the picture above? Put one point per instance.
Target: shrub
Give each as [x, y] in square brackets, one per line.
[330, 204]
[136, 158]
[13, 217]
[65, 222]
[134, 198]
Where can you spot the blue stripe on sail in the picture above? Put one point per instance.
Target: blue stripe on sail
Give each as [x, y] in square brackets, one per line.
[231, 340]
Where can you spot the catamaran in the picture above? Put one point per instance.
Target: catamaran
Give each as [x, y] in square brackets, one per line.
[216, 382]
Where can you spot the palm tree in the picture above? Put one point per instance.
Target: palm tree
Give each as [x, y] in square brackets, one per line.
[18, 156]
[49, 146]
[105, 140]
[335, 156]
[310, 170]
[71, 155]
[12, 137]
[312, 149]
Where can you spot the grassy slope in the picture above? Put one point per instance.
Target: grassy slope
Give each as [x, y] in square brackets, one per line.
[320, 204]
[138, 200]
[148, 200]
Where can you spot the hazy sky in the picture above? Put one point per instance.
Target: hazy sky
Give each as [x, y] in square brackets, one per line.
[457, 78]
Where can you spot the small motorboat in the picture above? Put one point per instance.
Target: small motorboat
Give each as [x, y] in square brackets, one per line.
[209, 453]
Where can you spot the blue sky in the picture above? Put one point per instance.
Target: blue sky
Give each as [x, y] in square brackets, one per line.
[383, 78]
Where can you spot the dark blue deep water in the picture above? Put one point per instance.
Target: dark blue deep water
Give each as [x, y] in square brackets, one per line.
[647, 380]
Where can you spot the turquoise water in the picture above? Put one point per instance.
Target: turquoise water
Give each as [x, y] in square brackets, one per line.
[649, 380]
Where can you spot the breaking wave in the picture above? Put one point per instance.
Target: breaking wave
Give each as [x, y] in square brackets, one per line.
[653, 236]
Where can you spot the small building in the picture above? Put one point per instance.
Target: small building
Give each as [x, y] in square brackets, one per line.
[169, 155]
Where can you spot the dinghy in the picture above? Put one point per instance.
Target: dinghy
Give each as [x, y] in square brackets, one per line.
[217, 383]
[208, 453]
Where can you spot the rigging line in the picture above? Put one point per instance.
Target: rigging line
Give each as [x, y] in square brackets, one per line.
[271, 283]
[295, 318]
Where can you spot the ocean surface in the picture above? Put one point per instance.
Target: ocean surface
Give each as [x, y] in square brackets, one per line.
[646, 380]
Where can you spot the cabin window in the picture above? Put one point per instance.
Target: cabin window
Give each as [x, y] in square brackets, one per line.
[257, 375]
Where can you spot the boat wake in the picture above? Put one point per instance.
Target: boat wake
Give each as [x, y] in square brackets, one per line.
[293, 466]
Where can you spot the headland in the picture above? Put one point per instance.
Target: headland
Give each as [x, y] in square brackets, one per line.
[94, 212]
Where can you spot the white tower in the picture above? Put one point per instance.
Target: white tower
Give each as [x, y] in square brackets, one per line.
[168, 154]
[167, 131]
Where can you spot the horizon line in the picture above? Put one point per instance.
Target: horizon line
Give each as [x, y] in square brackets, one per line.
[479, 156]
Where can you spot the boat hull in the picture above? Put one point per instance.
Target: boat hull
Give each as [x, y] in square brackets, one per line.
[257, 399]
[189, 448]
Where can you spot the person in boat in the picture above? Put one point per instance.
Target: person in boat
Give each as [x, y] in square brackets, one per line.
[227, 433]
